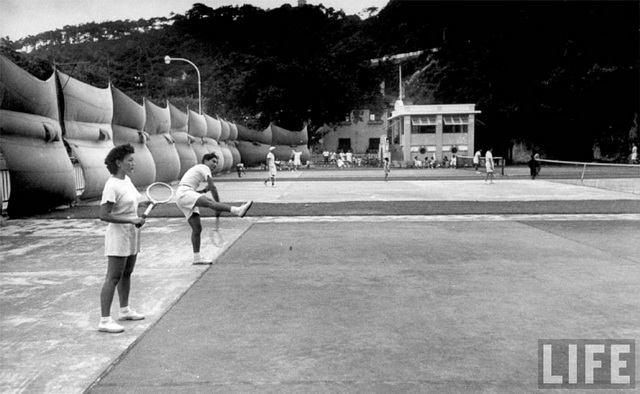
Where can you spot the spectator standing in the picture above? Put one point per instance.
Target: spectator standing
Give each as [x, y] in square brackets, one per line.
[488, 157]
[533, 166]
[476, 160]
[297, 163]
[325, 155]
[271, 167]
[386, 169]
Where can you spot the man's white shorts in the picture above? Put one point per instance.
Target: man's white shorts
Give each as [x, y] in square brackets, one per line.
[186, 200]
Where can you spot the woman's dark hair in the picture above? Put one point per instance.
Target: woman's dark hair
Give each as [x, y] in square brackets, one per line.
[117, 153]
[209, 156]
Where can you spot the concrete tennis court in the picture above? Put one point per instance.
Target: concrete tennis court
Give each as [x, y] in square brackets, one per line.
[328, 303]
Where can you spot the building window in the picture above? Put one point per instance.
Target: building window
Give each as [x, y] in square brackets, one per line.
[424, 120]
[375, 117]
[455, 128]
[423, 129]
[347, 117]
[344, 144]
[423, 124]
[455, 123]
[374, 145]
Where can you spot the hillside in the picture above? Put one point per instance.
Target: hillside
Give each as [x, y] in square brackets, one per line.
[563, 76]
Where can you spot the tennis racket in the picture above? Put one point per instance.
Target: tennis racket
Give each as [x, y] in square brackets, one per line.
[158, 193]
[216, 237]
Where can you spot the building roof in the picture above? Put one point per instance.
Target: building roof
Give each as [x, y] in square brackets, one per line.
[437, 109]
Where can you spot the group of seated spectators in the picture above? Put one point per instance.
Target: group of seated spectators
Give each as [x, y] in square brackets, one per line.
[346, 159]
[433, 162]
[341, 159]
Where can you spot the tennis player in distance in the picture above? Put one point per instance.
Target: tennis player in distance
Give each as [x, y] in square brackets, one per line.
[189, 199]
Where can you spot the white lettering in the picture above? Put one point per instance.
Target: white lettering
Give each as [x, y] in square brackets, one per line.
[573, 364]
[589, 363]
[616, 364]
[547, 375]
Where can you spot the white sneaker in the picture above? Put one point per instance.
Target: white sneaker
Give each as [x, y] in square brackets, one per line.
[202, 261]
[131, 315]
[244, 208]
[110, 326]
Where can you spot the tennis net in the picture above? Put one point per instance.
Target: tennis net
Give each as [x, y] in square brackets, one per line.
[610, 176]
[584, 170]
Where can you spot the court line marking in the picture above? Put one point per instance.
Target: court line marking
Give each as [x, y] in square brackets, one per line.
[451, 218]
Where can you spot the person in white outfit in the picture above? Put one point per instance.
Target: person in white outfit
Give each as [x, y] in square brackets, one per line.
[476, 160]
[271, 167]
[488, 157]
[119, 208]
[189, 199]
[297, 163]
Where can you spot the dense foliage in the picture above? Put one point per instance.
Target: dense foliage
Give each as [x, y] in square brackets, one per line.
[562, 75]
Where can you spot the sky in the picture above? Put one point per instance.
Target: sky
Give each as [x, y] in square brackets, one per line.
[21, 18]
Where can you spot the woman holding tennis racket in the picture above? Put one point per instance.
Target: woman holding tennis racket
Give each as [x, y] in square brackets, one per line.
[189, 199]
[119, 208]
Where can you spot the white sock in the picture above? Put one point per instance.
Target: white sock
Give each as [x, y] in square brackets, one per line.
[235, 210]
[196, 256]
[105, 319]
[125, 309]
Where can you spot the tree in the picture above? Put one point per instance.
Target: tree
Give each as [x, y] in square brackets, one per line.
[563, 75]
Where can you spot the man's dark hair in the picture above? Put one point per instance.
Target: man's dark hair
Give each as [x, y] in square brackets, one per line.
[209, 156]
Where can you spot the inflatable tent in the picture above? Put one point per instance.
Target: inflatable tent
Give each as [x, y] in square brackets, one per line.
[233, 132]
[252, 153]
[246, 134]
[198, 130]
[87, 113]
[214, 131]
[179, 128]
[286, 137]
[161, 145]
[40, 172]
[285, 152]
[235, 153]
[228, 157]
[214, 127]
[128, 125]
[226, 130]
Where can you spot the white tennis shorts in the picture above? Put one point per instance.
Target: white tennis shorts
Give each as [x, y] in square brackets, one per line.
[186, 199]
[121, 239]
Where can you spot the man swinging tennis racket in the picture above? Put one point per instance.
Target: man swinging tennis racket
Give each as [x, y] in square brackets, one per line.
[189, 199]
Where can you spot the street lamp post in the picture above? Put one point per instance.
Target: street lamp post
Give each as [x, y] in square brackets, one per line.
[168, 59]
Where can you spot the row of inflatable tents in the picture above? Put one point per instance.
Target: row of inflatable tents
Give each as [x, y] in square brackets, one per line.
[55, 135]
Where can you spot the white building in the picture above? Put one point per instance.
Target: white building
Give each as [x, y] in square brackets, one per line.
[421, 130]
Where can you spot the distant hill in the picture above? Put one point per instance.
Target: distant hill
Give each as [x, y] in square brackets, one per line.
[561, 75]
